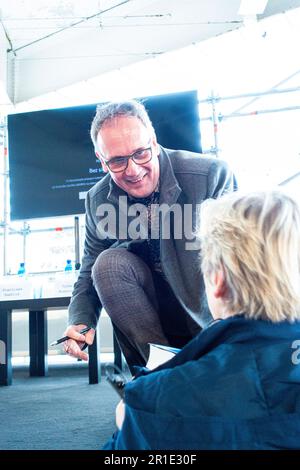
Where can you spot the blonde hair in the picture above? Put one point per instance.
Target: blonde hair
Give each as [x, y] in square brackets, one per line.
[255, 240]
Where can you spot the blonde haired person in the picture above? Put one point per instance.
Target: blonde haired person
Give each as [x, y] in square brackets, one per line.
[251, 253]
[237, 384]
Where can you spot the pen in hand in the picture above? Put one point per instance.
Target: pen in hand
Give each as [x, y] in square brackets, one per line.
[65, 338]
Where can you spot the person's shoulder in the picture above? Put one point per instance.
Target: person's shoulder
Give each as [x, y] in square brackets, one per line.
[101, 188]
[186, 162]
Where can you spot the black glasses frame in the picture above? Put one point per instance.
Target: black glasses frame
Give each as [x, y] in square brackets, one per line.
[128, 157]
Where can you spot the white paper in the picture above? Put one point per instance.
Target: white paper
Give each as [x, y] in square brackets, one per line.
[160, 354]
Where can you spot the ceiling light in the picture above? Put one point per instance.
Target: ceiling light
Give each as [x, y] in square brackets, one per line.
[252, 7]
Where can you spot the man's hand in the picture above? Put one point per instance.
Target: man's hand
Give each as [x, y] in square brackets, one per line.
[74, 345]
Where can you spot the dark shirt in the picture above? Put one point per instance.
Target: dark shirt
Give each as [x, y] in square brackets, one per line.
[153, 239]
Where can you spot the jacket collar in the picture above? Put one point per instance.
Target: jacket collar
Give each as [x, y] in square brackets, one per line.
[236, 329]
[169, 187]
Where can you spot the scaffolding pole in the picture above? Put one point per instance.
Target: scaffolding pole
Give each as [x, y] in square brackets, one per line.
[25, 231]
[13, 231]
[274, 89]
[257, 112]
[258, 94]
[214, 118]
[5, 197]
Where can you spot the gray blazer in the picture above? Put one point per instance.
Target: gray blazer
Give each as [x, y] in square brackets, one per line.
[185, 178]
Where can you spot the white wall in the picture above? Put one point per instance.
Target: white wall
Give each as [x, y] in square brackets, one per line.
[4, 95]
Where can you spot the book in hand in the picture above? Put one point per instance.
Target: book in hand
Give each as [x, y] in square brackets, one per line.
[159, 354]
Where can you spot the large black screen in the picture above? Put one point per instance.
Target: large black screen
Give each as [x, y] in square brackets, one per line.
[52, 161]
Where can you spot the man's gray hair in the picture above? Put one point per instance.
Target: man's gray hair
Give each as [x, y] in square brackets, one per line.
[108, 111]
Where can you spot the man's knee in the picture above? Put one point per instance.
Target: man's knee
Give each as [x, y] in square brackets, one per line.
[115, 262]
[108, 261]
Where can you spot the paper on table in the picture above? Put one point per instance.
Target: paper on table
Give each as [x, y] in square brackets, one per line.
[160, 354]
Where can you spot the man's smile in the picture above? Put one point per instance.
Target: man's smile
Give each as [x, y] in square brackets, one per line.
[136, 180]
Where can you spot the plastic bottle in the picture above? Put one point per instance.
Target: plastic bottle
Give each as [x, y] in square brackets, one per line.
[21, 270]
[68, 267]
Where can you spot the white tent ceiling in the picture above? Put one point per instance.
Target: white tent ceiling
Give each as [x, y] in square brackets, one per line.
[55, 43]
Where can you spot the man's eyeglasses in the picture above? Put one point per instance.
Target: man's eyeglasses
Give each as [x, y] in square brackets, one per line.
[140, 157]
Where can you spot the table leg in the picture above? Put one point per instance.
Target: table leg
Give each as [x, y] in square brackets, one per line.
[117, 355]
[94, 361]
[5, 347]
[38, 347]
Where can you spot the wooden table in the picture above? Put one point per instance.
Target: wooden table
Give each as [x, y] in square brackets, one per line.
[38, 338]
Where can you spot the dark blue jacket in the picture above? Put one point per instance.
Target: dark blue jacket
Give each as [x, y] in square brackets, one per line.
[235, 386]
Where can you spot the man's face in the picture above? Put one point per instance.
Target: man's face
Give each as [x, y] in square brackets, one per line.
[121, 137]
